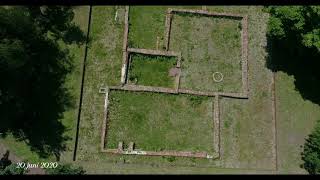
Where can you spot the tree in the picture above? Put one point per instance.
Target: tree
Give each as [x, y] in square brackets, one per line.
[299, 21]
[7, 168]
[294, 46]
[311, 151]
[33, 69]
[66, 169]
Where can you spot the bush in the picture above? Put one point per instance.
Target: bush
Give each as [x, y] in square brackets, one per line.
[13, 170]
[311, 151]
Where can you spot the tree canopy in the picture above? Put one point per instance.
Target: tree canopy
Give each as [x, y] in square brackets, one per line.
[294, 46]
[33, 68]
[303, 22]
[311, 152]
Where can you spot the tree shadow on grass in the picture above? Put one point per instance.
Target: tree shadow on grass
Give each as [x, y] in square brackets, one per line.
[33, 70]
[74, 35]
[290, 56]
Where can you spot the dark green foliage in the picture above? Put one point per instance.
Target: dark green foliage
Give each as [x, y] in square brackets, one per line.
[300, 21]
[311, 152]
[171, 158]
[196, 100]
[66, 169]
[4, 162]
[33, 68]
[8, 168]
[12, 170]
[294, 46]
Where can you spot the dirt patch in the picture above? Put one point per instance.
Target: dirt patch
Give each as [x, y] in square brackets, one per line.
[174, 72]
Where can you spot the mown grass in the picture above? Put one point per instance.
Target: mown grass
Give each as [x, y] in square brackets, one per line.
[103, 68]
[247, 141]
[208, 45]
[72, 84]
[160, 122]
[296, 119]
[246, 125]
[247, 134]
[151, 70]
[147, 25]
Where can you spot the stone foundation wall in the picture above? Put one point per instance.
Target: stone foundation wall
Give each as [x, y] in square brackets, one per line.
[216, 126]
[245, 86]
[177, 90]
[125, 46]
[244, 37]
[105, 119]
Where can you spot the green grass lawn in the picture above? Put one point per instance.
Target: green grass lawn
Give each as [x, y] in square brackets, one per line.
[73, 82]
[247, 127]
[103, 68]
[147, 25]
[247, 137]
[160, 122]
[246, 140]
[150, 70]
[296, 119]
[208, 45]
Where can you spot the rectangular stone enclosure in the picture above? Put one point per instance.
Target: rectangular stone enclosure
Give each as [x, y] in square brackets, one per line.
[211, 51]
[160, 122]
[153, 68]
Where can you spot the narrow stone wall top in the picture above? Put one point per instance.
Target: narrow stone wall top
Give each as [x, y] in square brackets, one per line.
[154, 52]
[205, 12]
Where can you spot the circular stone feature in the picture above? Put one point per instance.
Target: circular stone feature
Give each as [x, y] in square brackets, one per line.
[217, 76]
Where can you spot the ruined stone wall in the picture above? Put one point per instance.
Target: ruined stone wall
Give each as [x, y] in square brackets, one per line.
[177, 90]
[125, 46]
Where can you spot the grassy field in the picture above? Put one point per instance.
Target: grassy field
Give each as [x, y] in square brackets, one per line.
[247, 127]
[151, 70]
[20, 148]
[147, 25]
[208, 45]
[73, 82]
[124, 168]
[103, 68]
[160, 122]
[296, 118]
[247, 134]
[97, 74]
